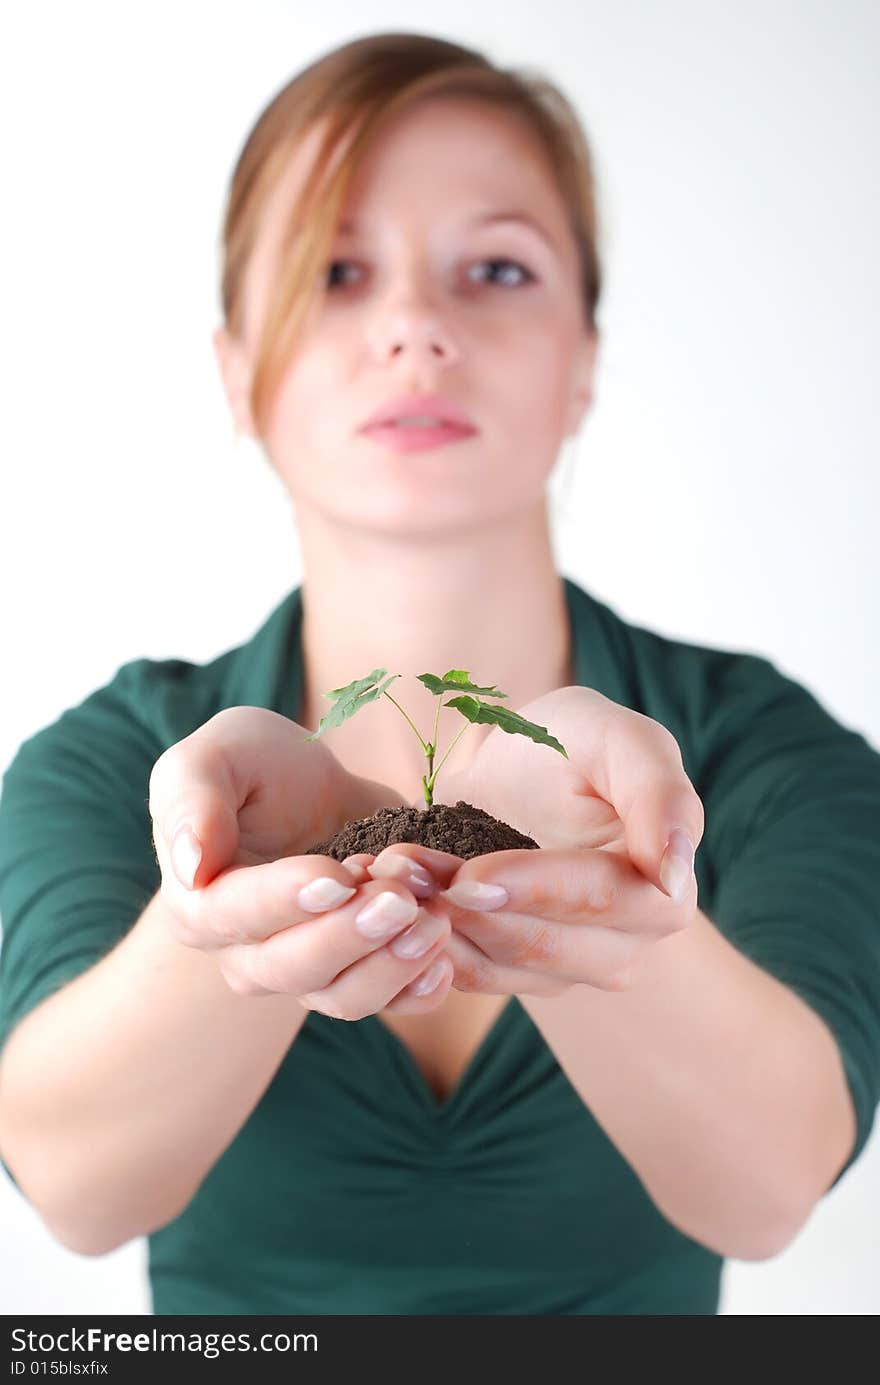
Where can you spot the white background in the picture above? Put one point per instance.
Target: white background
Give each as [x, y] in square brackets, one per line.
[720, 491]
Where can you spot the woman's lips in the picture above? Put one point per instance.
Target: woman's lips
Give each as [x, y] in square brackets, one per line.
[403, 438]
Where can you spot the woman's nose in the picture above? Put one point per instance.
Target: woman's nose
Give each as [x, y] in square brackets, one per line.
[411, 322]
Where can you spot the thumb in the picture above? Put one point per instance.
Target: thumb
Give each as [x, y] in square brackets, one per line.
[195, 826]
[186, 854]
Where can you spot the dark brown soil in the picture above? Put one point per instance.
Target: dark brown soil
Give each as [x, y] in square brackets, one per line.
[462, 830]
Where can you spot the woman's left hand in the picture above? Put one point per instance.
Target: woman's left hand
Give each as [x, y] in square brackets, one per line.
[588, 906]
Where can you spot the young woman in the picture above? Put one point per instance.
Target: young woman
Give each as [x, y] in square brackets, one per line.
[368, 1086]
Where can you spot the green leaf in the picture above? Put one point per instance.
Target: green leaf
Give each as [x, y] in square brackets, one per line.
[511, 722]
[351, 698]
[455, 680]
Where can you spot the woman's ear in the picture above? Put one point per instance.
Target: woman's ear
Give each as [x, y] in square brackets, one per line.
[235, 374]
[583, 371]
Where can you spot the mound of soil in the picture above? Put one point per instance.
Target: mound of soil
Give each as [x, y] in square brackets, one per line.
[462, 830]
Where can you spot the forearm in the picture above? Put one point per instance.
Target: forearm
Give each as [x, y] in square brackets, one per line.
[120, 1091]
[718, 1084]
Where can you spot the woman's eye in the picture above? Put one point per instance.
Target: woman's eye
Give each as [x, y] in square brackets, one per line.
[330, 268]
[513, 264]
[332, 281]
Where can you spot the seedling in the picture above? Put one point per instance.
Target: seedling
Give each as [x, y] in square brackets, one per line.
[350, 699]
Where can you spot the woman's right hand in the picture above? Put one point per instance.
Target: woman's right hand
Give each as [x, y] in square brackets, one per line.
[257, 795]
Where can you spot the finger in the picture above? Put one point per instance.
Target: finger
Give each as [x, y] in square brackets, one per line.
[308, 956]
[193, 805]
[396, 861]
[436, 983]
[475, 972]
[247, 904]
[357, 864]
[635, 763]
[384, 979]
[557, 952]
[568, 887]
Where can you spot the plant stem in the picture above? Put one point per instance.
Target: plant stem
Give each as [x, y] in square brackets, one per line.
[400, 709]
[428, 749]
[448, 753]
[428, 779]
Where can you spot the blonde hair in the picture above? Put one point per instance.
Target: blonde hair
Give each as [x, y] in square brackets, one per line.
[355, 89]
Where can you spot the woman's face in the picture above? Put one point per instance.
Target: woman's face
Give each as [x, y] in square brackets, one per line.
[422, 294]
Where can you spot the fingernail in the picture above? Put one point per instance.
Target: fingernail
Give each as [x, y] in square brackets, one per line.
[324, 893]
[414, 876]
[431, 979]
[186, 853]
[385, 914]
[419, 880]
[677, 866]
[473, 894]
[419, 939]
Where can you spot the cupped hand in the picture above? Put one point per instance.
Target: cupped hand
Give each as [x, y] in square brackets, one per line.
[256, 795]
[587, 907]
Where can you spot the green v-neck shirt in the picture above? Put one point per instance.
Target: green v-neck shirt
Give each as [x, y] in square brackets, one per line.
[350, 1188]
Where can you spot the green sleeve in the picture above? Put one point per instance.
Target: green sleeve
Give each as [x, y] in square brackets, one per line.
[792, 807]
[77, 865]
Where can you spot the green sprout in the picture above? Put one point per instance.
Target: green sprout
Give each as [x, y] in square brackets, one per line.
[350, 699]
